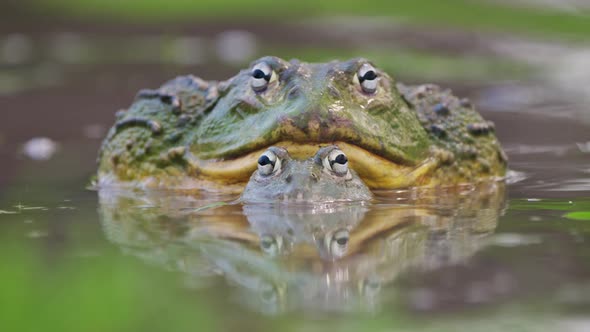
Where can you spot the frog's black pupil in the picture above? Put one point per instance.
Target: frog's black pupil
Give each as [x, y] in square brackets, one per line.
[341, 159]
[258, 73]
[369, 75]
[342, 241]
[264, 160]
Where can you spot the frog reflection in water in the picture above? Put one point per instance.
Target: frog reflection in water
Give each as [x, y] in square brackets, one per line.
[324, 178]
[333, 257]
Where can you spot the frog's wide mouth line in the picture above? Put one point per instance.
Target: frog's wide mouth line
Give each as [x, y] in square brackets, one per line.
[376, 171]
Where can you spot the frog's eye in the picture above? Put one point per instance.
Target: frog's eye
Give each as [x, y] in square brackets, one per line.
[339, 243]
[262, 75]
[337, 162]
[371, 286]
[268, 163]
[367, 76]
[271, 245]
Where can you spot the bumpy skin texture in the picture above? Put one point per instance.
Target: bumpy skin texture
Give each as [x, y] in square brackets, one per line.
[305, 181]
[147, 144]
[196, 134]
[463, 142]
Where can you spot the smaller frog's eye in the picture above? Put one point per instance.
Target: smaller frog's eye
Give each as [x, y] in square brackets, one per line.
[339, 243]
[367, 76]
[337, 162]
[268, 294]
[268, 163]
[271, 245]
[262, 74]
[371, 286]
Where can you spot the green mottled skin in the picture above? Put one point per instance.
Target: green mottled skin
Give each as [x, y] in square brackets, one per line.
[136, 152]
[305, 181]
[166, 134]
[463, 141]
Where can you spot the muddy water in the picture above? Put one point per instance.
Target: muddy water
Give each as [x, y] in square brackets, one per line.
[486, 257]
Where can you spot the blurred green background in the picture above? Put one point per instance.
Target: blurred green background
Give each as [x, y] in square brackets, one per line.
[566, 19]
[66, 66]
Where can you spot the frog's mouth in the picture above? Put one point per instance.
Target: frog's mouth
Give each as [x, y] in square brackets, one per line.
[376, 171]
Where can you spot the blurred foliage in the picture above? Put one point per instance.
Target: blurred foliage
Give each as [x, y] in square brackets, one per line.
[549, 204]
[550, 215]
[102, 293]
[481, 14]
[578, 215]
[113, 293]
[410, 63]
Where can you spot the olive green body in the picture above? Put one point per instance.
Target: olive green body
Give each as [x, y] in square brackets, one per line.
[192, 133]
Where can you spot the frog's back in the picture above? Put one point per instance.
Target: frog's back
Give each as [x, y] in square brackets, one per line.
[463, 141]
[149, 139]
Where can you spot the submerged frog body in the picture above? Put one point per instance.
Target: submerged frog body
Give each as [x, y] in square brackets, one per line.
[324, 178]
[196, 134]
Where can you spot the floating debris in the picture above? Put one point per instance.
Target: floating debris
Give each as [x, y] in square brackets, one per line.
[510, 240]
[22, 207]
[40, 148]
[34, 208]
[515, 176]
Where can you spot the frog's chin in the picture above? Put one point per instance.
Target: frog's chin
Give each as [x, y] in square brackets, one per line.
[376, 171]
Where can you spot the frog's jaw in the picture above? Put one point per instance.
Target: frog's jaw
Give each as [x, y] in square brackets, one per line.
[376, 171]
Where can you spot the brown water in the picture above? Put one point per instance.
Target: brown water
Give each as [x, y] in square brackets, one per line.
[492, 257]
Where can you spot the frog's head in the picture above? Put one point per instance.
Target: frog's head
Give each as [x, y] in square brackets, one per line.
[304, 106]
[324, 178]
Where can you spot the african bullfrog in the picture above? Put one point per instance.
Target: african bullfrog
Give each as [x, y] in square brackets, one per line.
[324, 178]
[192, 133]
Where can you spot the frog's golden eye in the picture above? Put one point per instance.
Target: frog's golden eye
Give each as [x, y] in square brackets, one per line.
[367, 76]
[268, 163]
[262, 75]
[337, 162]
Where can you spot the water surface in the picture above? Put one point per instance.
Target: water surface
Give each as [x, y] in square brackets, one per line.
[496, 256]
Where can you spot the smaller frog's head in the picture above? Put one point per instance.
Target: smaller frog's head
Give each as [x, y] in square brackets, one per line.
[324, 178]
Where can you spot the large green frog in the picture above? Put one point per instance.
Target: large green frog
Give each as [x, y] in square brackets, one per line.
[192, 133]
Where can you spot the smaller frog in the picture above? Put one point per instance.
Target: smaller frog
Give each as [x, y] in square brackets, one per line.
[324, 178]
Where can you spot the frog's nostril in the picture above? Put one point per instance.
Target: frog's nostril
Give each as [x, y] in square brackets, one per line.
[334, 92]
[314, 177]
